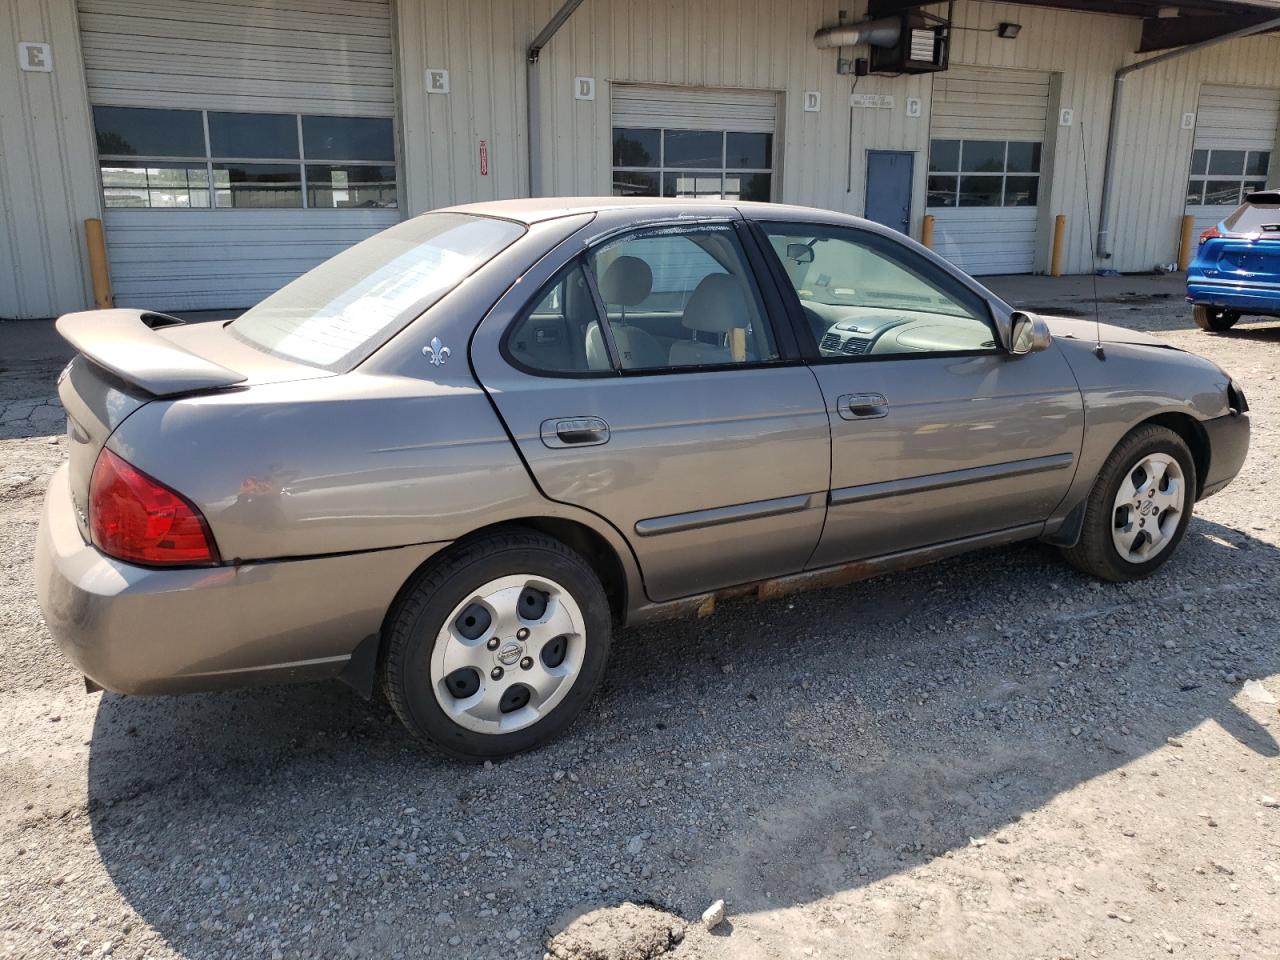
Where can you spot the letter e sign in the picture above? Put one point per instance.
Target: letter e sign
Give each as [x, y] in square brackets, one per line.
[35, 57]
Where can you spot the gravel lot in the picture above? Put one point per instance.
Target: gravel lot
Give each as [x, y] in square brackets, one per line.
[990, 757]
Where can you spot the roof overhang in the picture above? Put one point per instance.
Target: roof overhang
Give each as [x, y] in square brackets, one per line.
[1164, 25]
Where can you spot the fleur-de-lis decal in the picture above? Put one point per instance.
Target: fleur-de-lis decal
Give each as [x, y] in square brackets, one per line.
[436, 352]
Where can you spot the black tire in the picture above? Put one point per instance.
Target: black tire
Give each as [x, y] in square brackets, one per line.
[1212, 319]
[420, 612]
[1096, 552]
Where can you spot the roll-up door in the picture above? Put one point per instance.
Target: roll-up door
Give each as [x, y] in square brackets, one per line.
[693, 142]
[985, 155]
[240, 143]
[1235, 134]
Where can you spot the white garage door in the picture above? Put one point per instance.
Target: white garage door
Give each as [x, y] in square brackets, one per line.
[986, 142]
[240, 144]
[693, 142]
[1235, 134]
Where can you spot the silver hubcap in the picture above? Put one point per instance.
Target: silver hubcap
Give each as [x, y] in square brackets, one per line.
[1148, 507]
[508, 654]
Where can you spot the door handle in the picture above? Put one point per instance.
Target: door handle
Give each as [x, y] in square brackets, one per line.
[574, 432]
[862, 406]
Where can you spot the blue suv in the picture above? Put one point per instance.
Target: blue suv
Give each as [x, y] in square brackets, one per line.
[1237, 269]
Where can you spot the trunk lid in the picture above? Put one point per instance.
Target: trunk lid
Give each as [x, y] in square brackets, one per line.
[1243, 259]
[129, 358]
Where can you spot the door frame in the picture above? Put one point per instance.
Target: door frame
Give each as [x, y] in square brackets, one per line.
[911, 182]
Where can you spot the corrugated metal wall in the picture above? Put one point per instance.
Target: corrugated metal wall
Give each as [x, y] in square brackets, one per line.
[48, 181]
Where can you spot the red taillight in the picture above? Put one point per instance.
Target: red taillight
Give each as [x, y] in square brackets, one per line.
[135, 518]
[1211, 234]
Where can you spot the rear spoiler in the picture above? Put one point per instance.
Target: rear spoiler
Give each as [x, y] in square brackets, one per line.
[126, 344]
[1264, 197]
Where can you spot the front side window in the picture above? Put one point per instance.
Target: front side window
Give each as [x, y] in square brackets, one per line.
[984, 173]
[344, 309]
[226, 160]
[867, 295]
[656, 162]
[1221, 178]
[673, 298]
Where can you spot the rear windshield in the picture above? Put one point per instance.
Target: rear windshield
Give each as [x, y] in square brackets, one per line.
[1255, 218]
[337, 314]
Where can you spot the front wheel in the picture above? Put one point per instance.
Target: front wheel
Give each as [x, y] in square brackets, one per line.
[498, 646]
[1139, 507]
[1211, 318]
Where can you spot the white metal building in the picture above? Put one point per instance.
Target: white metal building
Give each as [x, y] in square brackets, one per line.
[229, 145]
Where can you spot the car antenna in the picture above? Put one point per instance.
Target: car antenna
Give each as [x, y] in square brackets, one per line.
[1093, 256]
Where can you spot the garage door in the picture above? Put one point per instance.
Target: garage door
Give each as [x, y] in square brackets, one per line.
[1235, 133]
[240, 144]
[985, 153]
[674, 141]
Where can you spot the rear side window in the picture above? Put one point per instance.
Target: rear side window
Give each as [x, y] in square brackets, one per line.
[337, 314]
[673, 299]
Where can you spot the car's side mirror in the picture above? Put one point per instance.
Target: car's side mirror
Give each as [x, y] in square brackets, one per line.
[1029, 334]
[800, 252]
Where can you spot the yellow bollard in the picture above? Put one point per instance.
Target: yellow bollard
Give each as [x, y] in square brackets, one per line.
[97, 245]
[1184, 242]
[926, 231]
[1055, 260]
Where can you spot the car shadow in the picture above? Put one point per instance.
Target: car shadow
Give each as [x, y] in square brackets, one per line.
[773, 754]
[1248, 330]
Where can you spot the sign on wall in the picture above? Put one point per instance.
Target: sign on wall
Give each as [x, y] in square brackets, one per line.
[35, 57]
[871, 101]
[437, 80]
[484, 158]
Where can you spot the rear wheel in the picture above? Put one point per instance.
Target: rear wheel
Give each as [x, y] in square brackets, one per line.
[498, 646]
[1211, 318]
[1139, 507]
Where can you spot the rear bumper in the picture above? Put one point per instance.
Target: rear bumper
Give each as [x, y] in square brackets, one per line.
[137, 630]
[1257, 300]
[1228, 447]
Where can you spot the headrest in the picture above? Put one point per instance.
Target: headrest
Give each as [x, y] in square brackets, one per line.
[717, 305]
[627, 282]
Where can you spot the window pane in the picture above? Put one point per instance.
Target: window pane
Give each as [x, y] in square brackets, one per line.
[982, 156]
[333, 185]
[338, 313]
[1221, 192]
[257, 136]
[1257, 164]
[682, 298]
[692, 148]
[632, 184]
[258, 184]
[747, 186]
[348, 138]
[868, 295]
[944, 155]
[1195, 193]
[155, 184]
[1226, 163]
[560, 333]
[1021, 191]
[701, 184]
[1199, 162]
[130, 132]
[942, 191]
[635, 148]
[980, 191]
[749, 150]
[1024, 157]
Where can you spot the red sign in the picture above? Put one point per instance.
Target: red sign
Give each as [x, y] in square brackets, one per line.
[484, 158]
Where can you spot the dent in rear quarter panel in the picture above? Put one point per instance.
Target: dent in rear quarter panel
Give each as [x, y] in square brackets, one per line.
[1132, 384]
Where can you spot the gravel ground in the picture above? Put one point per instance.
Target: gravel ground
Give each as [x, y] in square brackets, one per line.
[990, 757]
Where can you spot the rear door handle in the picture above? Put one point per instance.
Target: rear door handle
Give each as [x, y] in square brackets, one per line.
[862, 406]
[575, 432]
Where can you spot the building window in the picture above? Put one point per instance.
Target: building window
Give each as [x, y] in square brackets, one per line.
[217, 159]
[692, 163]
[1220, 178]
[984, 173]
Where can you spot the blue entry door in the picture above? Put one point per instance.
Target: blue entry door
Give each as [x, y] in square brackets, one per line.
[889, 188]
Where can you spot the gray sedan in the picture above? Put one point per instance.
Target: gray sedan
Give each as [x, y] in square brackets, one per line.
[448, 463]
